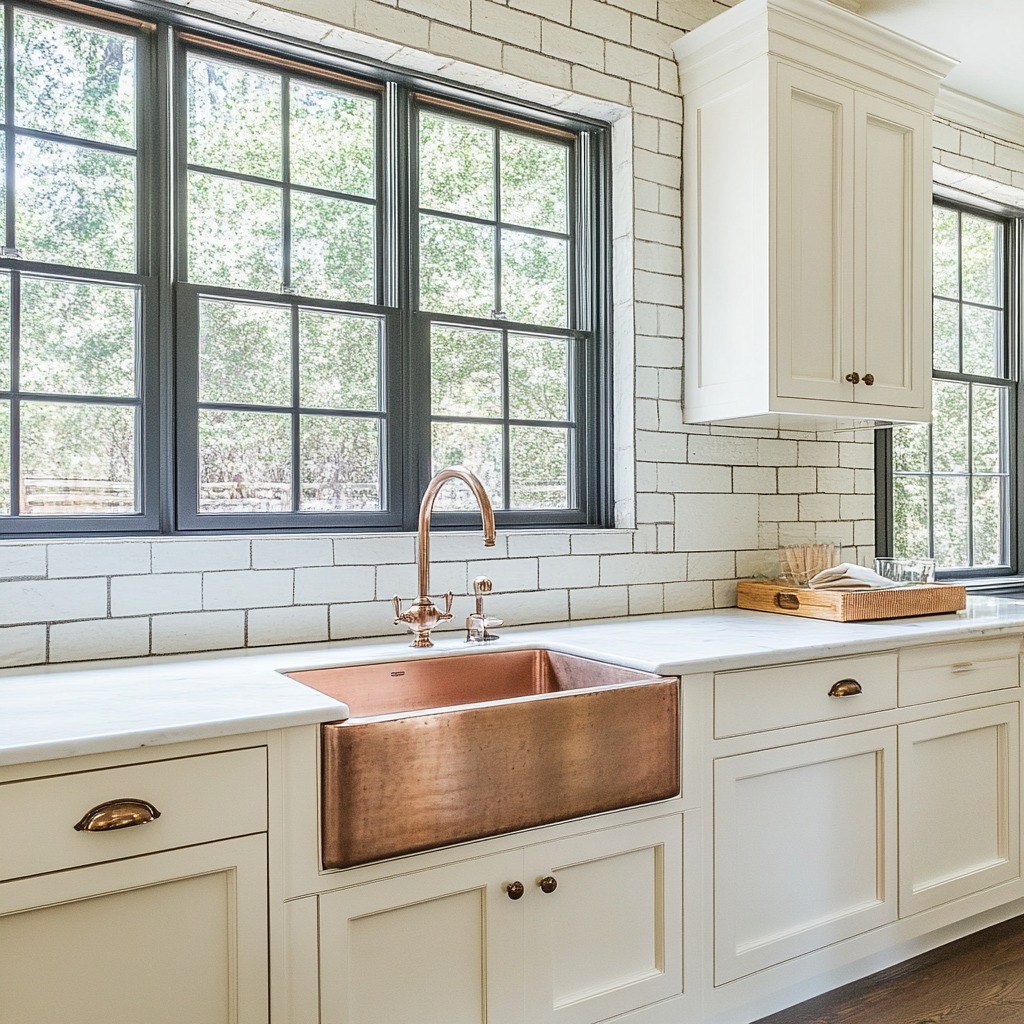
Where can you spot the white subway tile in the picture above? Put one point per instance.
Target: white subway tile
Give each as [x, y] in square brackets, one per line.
[22, 645]
[198, 631]
[363, 619]
[21, 560]
[716, 522]
[327, 584]
[857, 456]
[208, 554]
[248, 588]
[529, 545]
[290, 552]
[686, 597]
[776, 453]
[646, 599]
[688, 478]
[374, 550]
[857, 506]
[835, 481]
[797, 480]
[27, 601]
[269, 626]
[599, 602]
[600, 542]
[162, 592]
[571, 571]
[543, 606]
[644, 568]
[508, 574]
[754, 480]
[725, 594]
[711, 565]
[818, 453]
[818, 506]
[99, 638]
[401, 580]
[722, 450]
[778, 507]
[98, 558]
[572, 45]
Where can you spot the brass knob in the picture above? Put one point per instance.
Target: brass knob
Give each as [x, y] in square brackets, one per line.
[114, 814]
[845, 688]
[548, 883]
[515, 890]
[854, 378]
[869, 379]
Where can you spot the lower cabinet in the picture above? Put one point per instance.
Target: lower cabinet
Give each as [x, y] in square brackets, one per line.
[569, 932]
[165, 938]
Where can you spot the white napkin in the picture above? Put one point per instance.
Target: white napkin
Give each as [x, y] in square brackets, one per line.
[847, 576]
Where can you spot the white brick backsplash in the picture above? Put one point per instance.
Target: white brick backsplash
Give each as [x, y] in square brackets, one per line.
[711, 565]
[689, 478]
[327, 584]
[99, 638]
[200, 555]
[247, 588]
[527, 545]
[776, 453]
[725, 593]
[98, 558]
[512, 574]
[572, 45]
[287, 552]
[198, 631]
[715, 522]
[52, 600]
[401, 580]
[571, 571]
[835, 481]
[818, 506]
[797, 480]
[366, 618]
[646, 568]
[857, 456]
[599, 602]
[544, 606]
[686, 597]
[646, 598]
[778, 507]
[21, 560]
[754, 480]
[725, 451]
[268, 626]
[857, 506]
[655, 508]
[369, 550]
[600, 542]
[465, 544]
[818, 453]
[22, 645]
[161, 592]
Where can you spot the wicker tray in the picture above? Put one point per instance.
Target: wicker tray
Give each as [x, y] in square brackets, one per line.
[850, 606]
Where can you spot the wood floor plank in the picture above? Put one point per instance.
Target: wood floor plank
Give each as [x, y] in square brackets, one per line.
[975, 980]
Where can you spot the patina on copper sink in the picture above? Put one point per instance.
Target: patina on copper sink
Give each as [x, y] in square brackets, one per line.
[443, 750]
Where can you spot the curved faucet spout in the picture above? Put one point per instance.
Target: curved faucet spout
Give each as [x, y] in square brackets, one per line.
[421, 617]
[427, 506]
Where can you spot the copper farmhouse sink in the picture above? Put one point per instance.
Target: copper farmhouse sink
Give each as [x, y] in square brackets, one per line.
[443, 750]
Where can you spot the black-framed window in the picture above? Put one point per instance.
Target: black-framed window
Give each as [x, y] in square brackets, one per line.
[948, 488]
[323, 282]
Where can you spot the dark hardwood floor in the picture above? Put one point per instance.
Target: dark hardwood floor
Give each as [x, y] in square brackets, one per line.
[975, 980]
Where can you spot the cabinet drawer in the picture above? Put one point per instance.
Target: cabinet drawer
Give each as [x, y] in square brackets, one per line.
[940, 671]
[758, 699]
[200, 799]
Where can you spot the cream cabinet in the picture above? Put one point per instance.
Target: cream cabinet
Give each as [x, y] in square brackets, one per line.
[571, 931]
[154, 909]
[807, 217]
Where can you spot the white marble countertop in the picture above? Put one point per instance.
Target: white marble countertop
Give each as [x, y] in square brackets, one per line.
[64, 710]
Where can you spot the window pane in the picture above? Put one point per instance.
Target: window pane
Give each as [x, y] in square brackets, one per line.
[456, 267]
[951, 504]
[341, 466]
[534, 182]
[456, 166]
[245, 353]
[534, 278]
[5, 458]
[910, 449]
[983, 341]
[465, 372]
[988, 425]
[77, 339]
[332, 248]
[244, 462]
[234, 118]
[75, 206]
[77, 460]
[539, 461]
[475, 446]
[332, 139]
[981, 246]
[73, 80]
[987, 505]
[946, 335]
[234, 233]
[5, 332]
[339, 361]
[538, 377]
[949, 427]
[910, 517]
[945, 253]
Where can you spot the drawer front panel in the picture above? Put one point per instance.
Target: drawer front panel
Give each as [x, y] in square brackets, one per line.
[199, 799]
[940, 671]
[755, 700]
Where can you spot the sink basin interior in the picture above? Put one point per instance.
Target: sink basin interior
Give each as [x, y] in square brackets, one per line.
[417, 684]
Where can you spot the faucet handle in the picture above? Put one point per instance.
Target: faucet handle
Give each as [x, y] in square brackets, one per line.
[447, 614]
[400, 616]
[482, 585]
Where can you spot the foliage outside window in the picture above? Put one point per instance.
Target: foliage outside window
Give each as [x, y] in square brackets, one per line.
[365, 282]
[951, 480]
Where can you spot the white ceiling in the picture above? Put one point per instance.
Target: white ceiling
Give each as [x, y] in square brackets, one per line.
[986, 36]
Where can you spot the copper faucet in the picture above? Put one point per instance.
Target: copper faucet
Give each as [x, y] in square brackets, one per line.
[422, 615]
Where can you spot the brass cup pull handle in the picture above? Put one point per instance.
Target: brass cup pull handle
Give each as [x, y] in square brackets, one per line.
[548, 883]
[869, 379]
[854, 378]
[515, 890]
[845, 688]
[124, 813]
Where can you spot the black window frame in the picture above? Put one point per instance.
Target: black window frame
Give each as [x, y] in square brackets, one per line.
[168, 469]
[1012, 221]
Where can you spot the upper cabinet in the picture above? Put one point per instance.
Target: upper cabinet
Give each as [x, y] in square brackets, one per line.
[807, 217]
